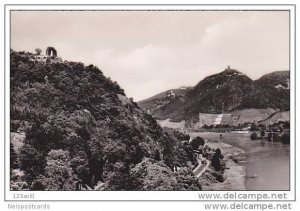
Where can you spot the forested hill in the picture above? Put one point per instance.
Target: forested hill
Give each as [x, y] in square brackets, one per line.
[81, 130]
[227, 91]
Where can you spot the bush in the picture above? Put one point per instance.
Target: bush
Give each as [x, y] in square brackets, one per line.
[262, 133]
[253, 136]
[215, 161]
[14, 126]
[285, 138]
[270, 136]
[276, 138]
[253, 127]
[196, 142]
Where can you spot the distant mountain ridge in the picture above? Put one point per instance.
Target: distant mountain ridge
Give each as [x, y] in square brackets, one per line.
[223, 92]
[164, 98]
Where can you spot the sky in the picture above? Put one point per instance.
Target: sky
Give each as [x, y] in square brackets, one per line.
[148, 52]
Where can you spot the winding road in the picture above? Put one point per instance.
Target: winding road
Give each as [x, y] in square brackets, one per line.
[198, 171]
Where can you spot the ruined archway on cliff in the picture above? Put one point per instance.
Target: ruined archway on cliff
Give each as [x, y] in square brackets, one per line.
[51, 52]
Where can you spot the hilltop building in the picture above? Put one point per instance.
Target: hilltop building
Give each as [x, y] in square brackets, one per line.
[50, 57]
[171, 94]
[285, 86]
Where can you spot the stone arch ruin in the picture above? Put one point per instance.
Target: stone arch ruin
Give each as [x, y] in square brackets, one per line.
[50, 51]
[50, 57]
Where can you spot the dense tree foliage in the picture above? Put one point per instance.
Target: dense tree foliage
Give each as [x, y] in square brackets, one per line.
[215, 161]
[32, 162]
[75, 117]
[285, 138]
[222, 92]
[17, 180]
[13, 157]
[152, 175]
[196, 142]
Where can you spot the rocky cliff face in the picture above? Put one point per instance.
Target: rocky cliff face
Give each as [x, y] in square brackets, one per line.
[227, 91]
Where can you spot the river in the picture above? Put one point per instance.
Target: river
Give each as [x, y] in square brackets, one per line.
[268, 162]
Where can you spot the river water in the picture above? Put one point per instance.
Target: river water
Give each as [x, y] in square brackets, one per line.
[268, 162]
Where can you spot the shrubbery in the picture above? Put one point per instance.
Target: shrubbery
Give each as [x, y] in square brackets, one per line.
[196, 142]
[285, 138]
[276, 138]
[253, 136]
[215, 161]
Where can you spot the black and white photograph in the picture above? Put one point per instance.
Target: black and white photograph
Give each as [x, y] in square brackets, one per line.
[150, 100]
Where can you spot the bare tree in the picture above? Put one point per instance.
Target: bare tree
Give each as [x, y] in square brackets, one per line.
[38, 51]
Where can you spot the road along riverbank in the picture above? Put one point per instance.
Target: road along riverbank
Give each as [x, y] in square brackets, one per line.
[266, 164]
[234, 174]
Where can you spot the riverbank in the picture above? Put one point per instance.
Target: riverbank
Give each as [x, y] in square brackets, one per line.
[234, 174]
[268, 164]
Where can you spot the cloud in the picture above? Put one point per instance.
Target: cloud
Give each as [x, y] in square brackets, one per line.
[142, 70]
[150, 52]
[253, 44]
